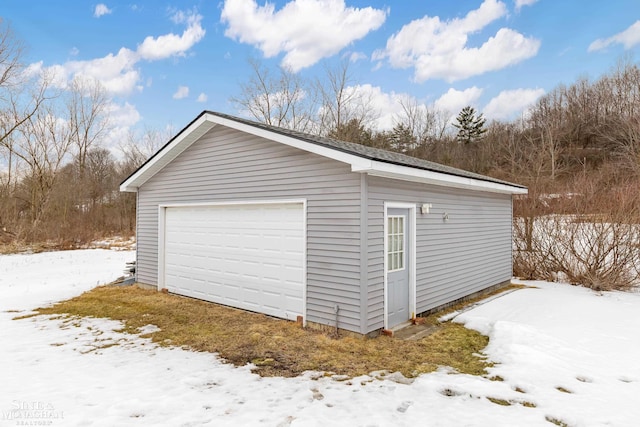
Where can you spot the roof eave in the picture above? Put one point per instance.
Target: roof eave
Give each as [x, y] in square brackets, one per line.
[388, 170]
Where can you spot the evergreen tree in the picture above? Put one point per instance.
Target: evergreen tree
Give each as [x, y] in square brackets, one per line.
[401, 139]
[352, 131]
[470, 127]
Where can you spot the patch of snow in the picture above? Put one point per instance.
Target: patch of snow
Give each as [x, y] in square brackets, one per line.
[148, 329]
[560, 338]
[28, 281]
[447, 317]
[567, 350]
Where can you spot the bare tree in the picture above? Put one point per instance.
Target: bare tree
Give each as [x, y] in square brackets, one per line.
[11, 67]
[43, 145]
[100, 176]
[283, 99]
[343, 103]
[21, 94]
[141, 145]
[623, 136]
[334, 105]
[87, 116]
[425, 122]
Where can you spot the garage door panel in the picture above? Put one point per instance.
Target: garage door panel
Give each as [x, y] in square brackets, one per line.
[247, 256]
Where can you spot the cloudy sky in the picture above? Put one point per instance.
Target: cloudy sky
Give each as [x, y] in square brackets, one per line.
[164, 62]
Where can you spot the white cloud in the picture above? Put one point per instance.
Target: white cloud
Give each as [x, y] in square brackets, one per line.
[165, 46]
[182, 92]
[305, 30]
[202, 97]
[508, 103]
[122, 117]
[455, 100]
[179, 17]
[74, 51]
[356, 56]
[438, 49]
[628, 38]
[521, 3]
[116, 73]
[387, 105]
[100, 10]
[34, 69]
[119, 73]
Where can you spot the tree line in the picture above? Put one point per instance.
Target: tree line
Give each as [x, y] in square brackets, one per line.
[587, 130]
[58, 180]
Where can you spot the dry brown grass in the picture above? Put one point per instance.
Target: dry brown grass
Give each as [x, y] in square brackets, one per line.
[13, 247]
[97, 242]
[277, 347]
[19, 247]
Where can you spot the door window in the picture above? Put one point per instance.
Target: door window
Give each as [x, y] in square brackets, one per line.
[395, 242]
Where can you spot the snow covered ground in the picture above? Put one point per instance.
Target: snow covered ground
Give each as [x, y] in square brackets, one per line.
[564, 353]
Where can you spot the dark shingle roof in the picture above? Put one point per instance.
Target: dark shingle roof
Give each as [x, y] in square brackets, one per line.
[366, 152]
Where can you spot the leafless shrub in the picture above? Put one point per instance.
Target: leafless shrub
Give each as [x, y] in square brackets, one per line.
[582, 250]
[591, 239]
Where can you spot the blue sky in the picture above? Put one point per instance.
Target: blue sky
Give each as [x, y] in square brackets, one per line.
[164, 62]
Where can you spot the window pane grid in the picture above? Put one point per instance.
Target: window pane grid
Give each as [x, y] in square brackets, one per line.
[395, 243]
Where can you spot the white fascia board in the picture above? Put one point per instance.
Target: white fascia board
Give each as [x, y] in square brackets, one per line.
[388, 170]
[177, 146]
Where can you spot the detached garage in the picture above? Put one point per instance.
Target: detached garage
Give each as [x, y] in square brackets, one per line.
[303, 227]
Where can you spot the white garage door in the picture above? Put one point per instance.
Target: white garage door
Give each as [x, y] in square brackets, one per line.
[248, 256]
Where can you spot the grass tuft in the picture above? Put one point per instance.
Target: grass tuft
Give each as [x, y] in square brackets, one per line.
[276, 347]
[26, 316]
[497, 401]
[556, 421]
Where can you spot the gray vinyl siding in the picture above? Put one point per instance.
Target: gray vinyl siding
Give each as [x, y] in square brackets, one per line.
[228, 165]
[469, 252]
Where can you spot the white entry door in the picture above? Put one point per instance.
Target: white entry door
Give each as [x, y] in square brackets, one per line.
[398, 295]
[249, 256]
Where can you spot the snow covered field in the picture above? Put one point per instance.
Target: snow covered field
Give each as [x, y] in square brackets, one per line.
[563, 353]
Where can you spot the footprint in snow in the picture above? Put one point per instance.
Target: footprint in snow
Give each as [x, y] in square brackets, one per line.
[404, 406]
[316, 394]
[286, 422]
